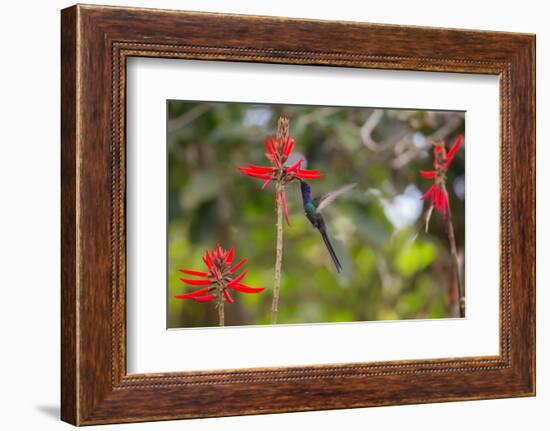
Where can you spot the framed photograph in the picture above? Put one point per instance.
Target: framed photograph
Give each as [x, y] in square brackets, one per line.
[266, 215]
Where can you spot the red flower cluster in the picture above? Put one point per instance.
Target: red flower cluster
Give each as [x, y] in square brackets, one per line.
[278, 152]
[219, 277]
[438, 192]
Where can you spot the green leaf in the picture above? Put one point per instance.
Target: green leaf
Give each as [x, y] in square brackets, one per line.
[414, 258]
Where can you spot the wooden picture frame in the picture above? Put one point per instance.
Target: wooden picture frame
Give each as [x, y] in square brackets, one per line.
[96, 41]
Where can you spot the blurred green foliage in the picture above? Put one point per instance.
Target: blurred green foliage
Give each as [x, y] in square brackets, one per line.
[392, 268]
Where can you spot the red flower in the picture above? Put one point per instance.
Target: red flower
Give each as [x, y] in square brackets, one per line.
[278, 152]
[438, 192]
[219, 279]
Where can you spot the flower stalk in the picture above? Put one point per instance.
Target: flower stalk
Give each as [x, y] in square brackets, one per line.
[456, 264]
[439, 201]
[221, 310]
[218, 281]
[278, 258]
[278, 153]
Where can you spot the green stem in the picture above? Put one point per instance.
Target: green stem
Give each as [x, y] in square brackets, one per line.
[279, 254]
[456, 265]
[221, 311]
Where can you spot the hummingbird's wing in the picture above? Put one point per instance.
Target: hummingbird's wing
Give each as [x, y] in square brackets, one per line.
[323, 201]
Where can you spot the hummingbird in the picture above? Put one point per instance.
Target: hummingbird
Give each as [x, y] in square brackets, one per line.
[313, 208]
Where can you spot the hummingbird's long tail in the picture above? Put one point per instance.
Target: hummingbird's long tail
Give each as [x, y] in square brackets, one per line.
[331, 250]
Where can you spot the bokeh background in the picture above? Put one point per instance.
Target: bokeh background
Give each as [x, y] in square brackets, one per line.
[392, 268]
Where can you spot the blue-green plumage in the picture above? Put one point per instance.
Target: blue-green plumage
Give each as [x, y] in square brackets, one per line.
[310, 210]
